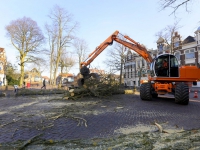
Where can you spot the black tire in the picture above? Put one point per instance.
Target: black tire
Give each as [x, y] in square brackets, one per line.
[182, 94]
[145, 91]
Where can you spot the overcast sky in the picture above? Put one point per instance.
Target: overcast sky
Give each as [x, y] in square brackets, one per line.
[139, 19]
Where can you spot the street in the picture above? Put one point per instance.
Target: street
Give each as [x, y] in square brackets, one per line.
[24, 117]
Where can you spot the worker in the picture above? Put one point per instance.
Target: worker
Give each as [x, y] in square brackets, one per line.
[165, 67]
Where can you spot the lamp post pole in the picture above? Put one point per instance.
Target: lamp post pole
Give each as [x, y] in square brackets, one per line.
[135, 75]
[135, 78]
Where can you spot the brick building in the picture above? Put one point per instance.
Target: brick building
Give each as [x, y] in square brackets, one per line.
[187, 52]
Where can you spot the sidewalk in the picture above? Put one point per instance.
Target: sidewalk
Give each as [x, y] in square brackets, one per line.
[193, 89]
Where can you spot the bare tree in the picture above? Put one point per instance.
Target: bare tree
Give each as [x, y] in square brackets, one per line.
[67, 61]
[81, 47]
[117, 58]
[26, 37]
[175, 4]
[63, 28]
[52, 34]
[167, 34]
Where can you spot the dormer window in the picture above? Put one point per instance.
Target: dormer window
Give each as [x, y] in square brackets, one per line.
[176, 44]
[160, 47]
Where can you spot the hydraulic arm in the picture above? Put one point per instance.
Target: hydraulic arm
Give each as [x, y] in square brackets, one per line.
[130, 43]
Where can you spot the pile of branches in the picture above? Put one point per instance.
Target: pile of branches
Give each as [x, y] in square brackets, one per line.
[103, 88]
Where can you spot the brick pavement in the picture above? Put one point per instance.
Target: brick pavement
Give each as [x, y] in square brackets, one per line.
[25, 117]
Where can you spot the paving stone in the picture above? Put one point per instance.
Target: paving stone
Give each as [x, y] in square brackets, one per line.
[102, 124]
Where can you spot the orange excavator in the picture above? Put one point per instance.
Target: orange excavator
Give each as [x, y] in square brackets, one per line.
[166, 75]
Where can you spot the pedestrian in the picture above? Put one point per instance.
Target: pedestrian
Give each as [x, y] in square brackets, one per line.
[44, 84]
[24, 85]
[16, 88]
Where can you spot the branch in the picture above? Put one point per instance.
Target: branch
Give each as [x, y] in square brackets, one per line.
[169, 3]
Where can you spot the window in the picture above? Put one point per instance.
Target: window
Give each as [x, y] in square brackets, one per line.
[125, 75]
[198, 48]
[177, 54]
[70, 79]
[189, 54]
[138, 64]
[142, 62]
[139, 73]
[160, 47]
[176, 44]
[129, 56]
[36, 78]
[173, 62]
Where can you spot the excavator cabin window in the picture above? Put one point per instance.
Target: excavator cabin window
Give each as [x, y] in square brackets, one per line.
[166, 66]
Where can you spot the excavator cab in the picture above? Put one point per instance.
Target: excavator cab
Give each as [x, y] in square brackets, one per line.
[165, 65]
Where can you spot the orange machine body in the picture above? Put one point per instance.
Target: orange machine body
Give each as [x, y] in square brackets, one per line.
[177, 78]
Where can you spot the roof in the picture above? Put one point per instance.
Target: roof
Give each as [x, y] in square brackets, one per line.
[66, 75]
[160, 40]
[1, 49]
[45, 77]
[189, 39]
[95, 70]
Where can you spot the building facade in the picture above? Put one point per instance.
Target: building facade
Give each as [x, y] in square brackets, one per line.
[3, 62]
[33, 77]
[187, 52]
[135, 68]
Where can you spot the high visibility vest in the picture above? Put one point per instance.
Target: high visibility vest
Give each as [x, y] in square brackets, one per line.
[165, 64]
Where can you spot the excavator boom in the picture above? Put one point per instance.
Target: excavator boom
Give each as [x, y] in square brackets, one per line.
[133, 45]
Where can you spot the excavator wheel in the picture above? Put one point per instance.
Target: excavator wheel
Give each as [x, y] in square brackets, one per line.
[182, 94]
[145, 91]
[80, 82]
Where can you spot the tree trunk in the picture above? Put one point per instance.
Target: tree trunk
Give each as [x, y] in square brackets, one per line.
[120, 79]
[22, 70]
[51, 63]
